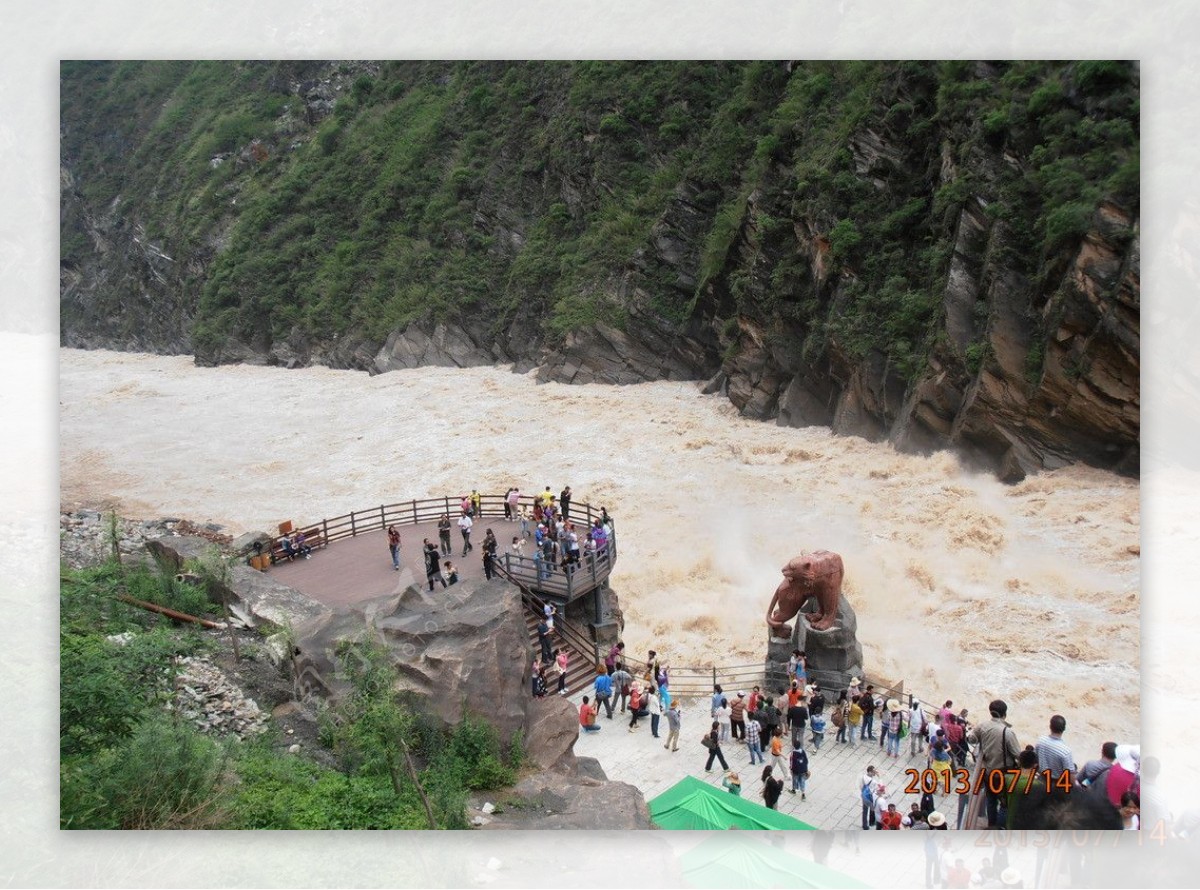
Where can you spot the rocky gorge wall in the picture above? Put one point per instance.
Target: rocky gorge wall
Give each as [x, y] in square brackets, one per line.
[933, 257]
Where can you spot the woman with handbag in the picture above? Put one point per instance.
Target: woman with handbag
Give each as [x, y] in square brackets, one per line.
[711, 741]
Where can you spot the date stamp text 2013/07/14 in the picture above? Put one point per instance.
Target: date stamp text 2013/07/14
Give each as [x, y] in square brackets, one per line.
[997, 781]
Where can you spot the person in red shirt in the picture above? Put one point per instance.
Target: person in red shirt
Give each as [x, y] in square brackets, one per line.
[587, 716]
[891, 819]
[956, 737]
[794, 694]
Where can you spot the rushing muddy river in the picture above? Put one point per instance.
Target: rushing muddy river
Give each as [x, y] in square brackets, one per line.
[965, 588]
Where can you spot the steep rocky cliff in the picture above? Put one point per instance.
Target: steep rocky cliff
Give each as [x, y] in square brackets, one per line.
[941, 255]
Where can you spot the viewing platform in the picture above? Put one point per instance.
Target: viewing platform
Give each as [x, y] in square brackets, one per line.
[353, 563]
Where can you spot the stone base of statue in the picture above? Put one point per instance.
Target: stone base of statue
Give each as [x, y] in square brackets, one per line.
[834, 655]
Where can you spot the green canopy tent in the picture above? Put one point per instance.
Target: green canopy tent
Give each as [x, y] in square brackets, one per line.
[692, 805]
[748, 861]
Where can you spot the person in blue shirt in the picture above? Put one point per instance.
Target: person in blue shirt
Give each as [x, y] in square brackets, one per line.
[604, 693]
[716, 700]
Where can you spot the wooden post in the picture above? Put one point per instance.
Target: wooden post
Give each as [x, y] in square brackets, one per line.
[325, 531]
[353, 527]
[414, 509]
[382, 519]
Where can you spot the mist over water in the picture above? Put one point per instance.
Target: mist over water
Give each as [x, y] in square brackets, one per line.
[965, 588]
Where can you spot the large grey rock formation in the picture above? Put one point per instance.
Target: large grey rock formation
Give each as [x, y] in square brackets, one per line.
[551, 728]
[834, 655]
[459, 651]
[259, 599]
[466, 652]
[173, 552]
[254, 598]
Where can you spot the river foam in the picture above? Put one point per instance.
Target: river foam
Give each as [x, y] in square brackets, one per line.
[965, 588]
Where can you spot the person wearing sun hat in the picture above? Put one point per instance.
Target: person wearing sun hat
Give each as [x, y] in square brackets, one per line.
[937, 821]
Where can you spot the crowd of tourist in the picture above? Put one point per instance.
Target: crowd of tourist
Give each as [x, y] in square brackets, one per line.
[1038, 786]
[558, 544]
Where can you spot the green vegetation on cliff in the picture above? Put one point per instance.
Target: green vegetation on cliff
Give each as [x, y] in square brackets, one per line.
[131, 761]
[490, 189]
[829, 213]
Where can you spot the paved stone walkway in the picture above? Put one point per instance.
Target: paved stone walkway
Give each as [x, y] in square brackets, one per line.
[878, 858]
[832, 796]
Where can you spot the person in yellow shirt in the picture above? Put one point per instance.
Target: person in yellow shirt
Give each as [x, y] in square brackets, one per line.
[855, 720]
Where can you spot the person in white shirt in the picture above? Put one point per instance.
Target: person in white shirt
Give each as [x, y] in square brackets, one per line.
[918, 727]
[724, 715]
[881, 804]
[464, 526]
[655, 705]
[868, 780]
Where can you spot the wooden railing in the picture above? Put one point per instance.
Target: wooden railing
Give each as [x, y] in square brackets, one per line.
[566, 630]
[698, 682]
[591, 571]
[564, 580]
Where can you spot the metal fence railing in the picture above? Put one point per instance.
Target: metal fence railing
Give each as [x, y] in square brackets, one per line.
[591, 571]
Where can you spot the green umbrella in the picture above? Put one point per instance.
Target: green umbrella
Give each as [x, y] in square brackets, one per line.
[690, 804]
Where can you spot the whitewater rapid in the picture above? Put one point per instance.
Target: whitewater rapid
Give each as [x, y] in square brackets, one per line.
[965, 588]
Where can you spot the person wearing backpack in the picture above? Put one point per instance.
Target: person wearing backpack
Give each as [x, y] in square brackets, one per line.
[839, 716]
[770, 718]
[799, 767]
[604, 694]
[866, 794]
